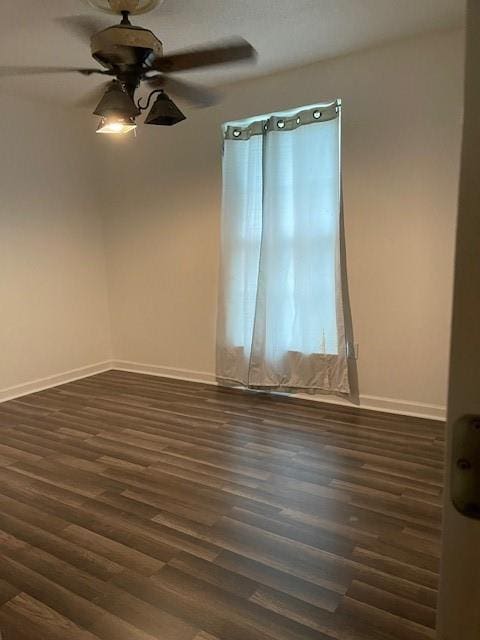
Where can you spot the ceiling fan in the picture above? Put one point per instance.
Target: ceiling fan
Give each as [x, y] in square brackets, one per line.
[132, 55]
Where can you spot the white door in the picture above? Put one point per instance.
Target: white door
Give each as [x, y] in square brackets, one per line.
[459, 601]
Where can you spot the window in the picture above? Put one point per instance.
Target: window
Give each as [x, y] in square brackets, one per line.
[280, 320]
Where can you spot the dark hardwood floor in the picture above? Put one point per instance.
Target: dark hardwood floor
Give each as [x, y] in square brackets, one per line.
[141, 508]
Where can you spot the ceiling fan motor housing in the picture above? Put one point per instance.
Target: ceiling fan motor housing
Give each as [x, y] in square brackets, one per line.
[125, 45]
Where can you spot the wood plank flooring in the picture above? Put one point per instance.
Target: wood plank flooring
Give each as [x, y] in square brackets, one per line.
[141, 508]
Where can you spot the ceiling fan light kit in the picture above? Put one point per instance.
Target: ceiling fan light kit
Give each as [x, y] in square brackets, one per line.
[133, 55]
[117, 111]
[116, 101]
[164, 112]
[116, 125]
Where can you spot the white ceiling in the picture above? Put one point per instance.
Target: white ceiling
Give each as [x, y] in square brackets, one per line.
[286, 33]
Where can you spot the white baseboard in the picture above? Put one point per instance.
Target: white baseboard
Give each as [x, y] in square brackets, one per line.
[10, 393]
[375, 403]
[389, 405]
[164, 372]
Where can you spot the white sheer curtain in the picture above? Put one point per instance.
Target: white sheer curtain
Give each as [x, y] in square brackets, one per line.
[281, 313]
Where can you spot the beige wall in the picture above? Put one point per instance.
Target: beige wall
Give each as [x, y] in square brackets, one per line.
[160, 194]
[53, 301]
[401, 140]
[401, 144]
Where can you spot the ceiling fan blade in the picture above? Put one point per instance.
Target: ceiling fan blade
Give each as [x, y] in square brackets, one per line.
[83, 27]
[196, 95]
[92, 97]
[232, 50]
[27, 71]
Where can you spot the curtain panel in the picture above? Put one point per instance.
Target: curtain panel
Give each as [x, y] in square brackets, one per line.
[281, 311]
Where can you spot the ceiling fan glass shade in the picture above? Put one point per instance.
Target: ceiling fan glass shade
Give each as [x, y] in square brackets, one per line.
[117, 111]
[116, 102]
[164, 112]
[116, 125]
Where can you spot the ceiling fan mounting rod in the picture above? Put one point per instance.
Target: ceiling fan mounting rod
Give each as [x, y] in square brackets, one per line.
[125, 18]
